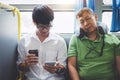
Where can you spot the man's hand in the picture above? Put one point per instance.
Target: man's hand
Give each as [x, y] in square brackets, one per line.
[57, 68]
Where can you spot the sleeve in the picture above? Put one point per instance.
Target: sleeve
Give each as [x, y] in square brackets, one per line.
[21, 51]
[72, 50]
[62, 52]
[117, 46]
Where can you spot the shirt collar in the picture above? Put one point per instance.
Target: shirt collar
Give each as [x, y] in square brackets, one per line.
[49, 38]
[98, 40]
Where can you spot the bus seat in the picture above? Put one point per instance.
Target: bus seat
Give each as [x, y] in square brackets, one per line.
[8, 57]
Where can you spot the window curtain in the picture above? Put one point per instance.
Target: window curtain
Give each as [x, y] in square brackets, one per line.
[91, 4]
[115, 26]
[85, 3]
[79, 4]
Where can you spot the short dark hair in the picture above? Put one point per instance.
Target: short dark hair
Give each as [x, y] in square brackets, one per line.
[42, 14]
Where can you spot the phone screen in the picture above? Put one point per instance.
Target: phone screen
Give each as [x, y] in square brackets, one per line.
[33, 52]
[52, 63]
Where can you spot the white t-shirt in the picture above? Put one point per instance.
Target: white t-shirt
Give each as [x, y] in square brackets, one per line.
[52, 48]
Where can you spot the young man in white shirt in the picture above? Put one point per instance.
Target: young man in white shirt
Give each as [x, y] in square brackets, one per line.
[49, 48]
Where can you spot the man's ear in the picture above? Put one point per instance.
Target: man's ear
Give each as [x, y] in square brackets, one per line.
[96, 17]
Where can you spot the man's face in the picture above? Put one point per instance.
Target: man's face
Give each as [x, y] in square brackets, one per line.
[88, 22]
[43, 29]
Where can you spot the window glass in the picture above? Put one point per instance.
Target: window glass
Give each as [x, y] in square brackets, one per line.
[107, 18]
[62, 23]
[107, 2]
[27, 25]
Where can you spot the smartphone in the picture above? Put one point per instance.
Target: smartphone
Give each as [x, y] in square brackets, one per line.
[33, 52]
[51, 63]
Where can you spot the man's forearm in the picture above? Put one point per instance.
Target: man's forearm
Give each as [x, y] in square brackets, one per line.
[74, 74]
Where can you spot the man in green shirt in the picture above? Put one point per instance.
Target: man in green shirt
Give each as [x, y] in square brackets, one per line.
[93, 55]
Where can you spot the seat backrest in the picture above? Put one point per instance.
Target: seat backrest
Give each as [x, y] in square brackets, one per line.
[8, 57]
[8, 44]
[104, 27]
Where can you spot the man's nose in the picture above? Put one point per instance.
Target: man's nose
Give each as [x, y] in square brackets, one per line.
[85, 23]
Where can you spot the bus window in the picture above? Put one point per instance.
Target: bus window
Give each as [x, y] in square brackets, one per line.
[107, 2]
[62, 23]
[106, 18]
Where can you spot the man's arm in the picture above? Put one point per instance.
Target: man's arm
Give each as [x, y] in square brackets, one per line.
[118, 64]
[72, 68]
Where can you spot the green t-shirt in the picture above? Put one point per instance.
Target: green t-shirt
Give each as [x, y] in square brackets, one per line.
[92, 66]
